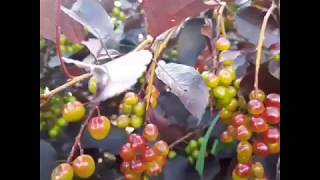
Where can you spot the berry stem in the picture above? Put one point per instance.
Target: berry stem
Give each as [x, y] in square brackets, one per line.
[220, 21]
[77, 143]
[58, 44]
[260, 44]
[183, 138]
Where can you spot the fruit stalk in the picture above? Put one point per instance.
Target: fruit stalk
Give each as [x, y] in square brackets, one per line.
[260, 44]
[184, 138]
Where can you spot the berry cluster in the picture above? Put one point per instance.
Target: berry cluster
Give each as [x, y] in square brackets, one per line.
[192, 150]
[117, 16]
[132, 111]
[83, 167]
[69, 47]
[139, 157]
[51, 118]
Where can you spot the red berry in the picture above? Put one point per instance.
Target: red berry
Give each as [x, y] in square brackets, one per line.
[83, 166]
[73, 111]
[255, 107]
[260, 148]
[243, 133]
[226, 137]
[62, 172]
[153, 169]
[272, 135]
[150, 132]
[131, 137]
[139, 143]
[273, 99]
[240, 119]
[162, 147]
[125, 167]
[137, 166]
[150, 154]
[258, 125]
[99, 127]
[272, 115]
[243, 170]
[127, 153]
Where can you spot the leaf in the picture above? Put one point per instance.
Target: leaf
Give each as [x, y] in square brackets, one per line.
[274, 69]
[186, 83]
[92, 16]
[116, 76]
[248, 23]
[94, 47]
[73, 30]
[203, 148]
[164, 14]
[229, 55]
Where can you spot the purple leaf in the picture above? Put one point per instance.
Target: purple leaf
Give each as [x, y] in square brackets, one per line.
[186, 83]
[92, 16]
[229, 55]
[248, 23]
[274, 69]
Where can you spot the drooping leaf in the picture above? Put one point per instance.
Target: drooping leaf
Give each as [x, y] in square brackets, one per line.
[274, 69]
[248, 23]
[164, 14]
[203, 149]
[92, 16]
[186, 83]
[116, 76]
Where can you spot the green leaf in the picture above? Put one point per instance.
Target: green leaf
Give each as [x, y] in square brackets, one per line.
[203, 148]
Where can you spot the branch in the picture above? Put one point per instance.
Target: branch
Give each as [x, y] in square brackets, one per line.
[144, 44]
[260, 44]
[184, 138]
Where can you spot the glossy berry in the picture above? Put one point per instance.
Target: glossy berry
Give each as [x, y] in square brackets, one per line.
[127, 153]
[131, 98]
[73, 111]
[255, 107]
[172, 154]
[272, 135]
[260, 148]
[123, 121]
[244, 152]
[188, 150]
[236, 83]
[116, 11]
[223, 44]
[195, 154]
[125, 108]
[226, 116]
[225, 137]
[243, 170]
[193, 144]
[243, 133]
[140, 108]
[137, 166]
[274, 148]
[272, 100]
[161, 160]
[231, 91]
[237, 177]
[153, 169]
[150, 132]
[257, 94]
[83, 166]
[162, 147]
[99, 127]
[138, 143]
[220, 92]
[200, 141]
[92, 85]
[213, 80]
[226, 77]
[258, 170]
[233, 105]
[125, 167]
[224, 102]
[136, 121]
[62, 123]
[54, 132]
[150, 154]
[272, 115]
[62, 172]
[258, 125]
[240, 119]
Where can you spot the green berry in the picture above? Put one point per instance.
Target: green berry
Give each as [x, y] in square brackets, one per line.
[187, 149]
[131, 98]
[92, 85]
[125, 108]
[200, 141]
[226, 77]
[193, 145]
[277, 58]
[136, 121]
[122, 16]
[191, 160]
[220, 92]
[213, 80]
[173, 53]
[232, 91]
[205, 76]
[140, 108]
[54, 132]
[228, 62]
[123, 121]
[172, 154]
[62, 123]
[116, 11]
[225, 101]
[223, 44]
[195, 154]
[236, 83]
[233, 105]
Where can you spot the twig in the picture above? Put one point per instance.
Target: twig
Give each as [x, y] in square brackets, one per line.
[75, 80]
[220, 21]
[260, 44]
[58, 44]
[144, 43]
[184, 138]
[77, 143]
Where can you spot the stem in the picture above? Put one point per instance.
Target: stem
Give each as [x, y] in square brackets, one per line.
[183, 138]
[260, 44]
[77, 142]
[75, 80]
[58, 44]
[144, 43]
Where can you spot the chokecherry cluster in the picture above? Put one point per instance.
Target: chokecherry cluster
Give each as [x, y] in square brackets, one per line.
[193, 149]
[69, 47]
[51, 116]
[140, 157]
[83, 167]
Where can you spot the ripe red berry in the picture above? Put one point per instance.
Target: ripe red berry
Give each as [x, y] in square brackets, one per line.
[240, 119]
[162, 147]
[99, 127]
[125, 167]
[150, 132]
[225, 137]
[243, 170]
[255, 107]
[153, 169]
[137, 166]
[127, 153]
[272, 115]
[243, 133]
[273, 99]
[138, 143]
[150, 154]
[260, 148]
[62, 172]
[83, 166]
[272, 135]
[258, 125]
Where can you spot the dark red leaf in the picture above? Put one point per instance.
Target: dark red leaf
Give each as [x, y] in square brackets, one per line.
[164, 14]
